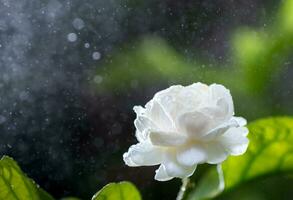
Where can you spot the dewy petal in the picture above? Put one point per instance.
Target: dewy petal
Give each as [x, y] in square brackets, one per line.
[139, 110]
[143, 125]
[220, 112]
[235, 141]
[143, 154]
[161, 117]
[240, 121]
[168, 99]
[174, 169]
[219, 130]
[161, 174]
[215, 152]
[195, 124]
[191, 156]
[161, 138]
[220, 93]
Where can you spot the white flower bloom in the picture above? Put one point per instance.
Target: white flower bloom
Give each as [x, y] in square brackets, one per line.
[182, 127]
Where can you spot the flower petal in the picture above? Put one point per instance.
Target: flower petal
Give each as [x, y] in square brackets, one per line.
[143, 125]
[161, 174]
[174, 169]
[161, 138]
[216, 153]
[168, 99]
[219, 112]
[195, 124]
[143, 154]
[219, 130]
[240, 121]
[191, 156]
[139, 110]
[160, 117]
[235, 141]
[222, 94]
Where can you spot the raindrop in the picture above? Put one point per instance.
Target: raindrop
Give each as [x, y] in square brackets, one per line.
[87, 45]
[23, 95]
[96, 55]
[78, 23]
[71, 37]
[2, 119]
[98, 79]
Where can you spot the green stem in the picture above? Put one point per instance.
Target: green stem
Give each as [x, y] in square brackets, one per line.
[182, 190]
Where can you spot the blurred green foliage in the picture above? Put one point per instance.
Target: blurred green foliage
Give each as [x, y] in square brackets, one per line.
[258, 58]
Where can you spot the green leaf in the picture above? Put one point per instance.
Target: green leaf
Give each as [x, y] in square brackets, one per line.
[270, 152]
[15, 185]
[209, 187]
[118, 191]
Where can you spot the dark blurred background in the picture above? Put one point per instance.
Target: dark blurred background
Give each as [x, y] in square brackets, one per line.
[71, 72]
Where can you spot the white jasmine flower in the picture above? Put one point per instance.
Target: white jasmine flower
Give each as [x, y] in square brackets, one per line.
[182, 127]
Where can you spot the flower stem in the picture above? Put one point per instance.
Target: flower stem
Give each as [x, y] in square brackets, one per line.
[182, 190]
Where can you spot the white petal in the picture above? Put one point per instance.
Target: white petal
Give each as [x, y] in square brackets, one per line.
[172, 90]
[161, 138]
[139, 110]
[195, 124]
[142, 154]
[143, 123]
[235, 141]
[191, 156]
[168, 99]
[198, 87]
[161, 174]
[174, 169]
[161, 117]
[220, 93]
[240, 121]
[143, 126]
[224, 108]
[218, 112]
[220, 130]
[216, 153]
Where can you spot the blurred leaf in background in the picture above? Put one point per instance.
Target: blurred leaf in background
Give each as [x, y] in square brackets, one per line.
[258, 58]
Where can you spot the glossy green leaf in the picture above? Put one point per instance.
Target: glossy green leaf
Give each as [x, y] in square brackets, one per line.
[210, 186]
[15, 185]
[118, 191]
[270, 152]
